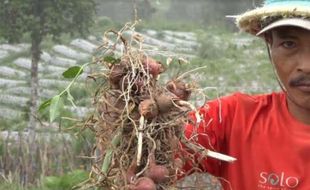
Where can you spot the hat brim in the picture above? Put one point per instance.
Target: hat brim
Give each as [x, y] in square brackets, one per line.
[251, 21]
[296, 22]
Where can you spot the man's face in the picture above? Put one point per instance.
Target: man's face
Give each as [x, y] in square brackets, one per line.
[290, 51]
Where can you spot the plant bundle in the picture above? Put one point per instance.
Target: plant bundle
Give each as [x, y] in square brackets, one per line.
[138, 121]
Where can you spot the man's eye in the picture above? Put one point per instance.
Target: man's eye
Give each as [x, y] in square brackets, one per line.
[289, 44]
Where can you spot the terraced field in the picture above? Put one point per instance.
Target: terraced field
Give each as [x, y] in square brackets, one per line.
[16, 63]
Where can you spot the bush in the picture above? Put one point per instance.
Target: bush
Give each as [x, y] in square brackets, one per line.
[66, 181]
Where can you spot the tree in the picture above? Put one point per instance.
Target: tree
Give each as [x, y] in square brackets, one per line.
[39, 19]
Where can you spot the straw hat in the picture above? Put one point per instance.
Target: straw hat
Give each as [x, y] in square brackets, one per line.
[256, 21]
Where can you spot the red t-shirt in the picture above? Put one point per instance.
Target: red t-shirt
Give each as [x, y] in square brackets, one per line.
[272, 148]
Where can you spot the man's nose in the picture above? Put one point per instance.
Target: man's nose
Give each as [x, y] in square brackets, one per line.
[304, 61]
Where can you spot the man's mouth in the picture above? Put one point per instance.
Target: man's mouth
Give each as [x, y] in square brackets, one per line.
[304, 88]
[302, 83]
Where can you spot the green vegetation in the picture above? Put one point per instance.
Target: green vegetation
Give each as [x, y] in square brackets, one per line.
[236, 62]
[62, 182]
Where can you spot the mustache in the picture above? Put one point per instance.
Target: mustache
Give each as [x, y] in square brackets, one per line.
[300, 80]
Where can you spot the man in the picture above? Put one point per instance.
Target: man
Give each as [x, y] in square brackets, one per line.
[269, 134]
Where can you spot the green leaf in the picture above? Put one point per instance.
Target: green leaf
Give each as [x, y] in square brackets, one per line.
[111, 59]
[55, 107]
[45, 104]
[73, 72]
